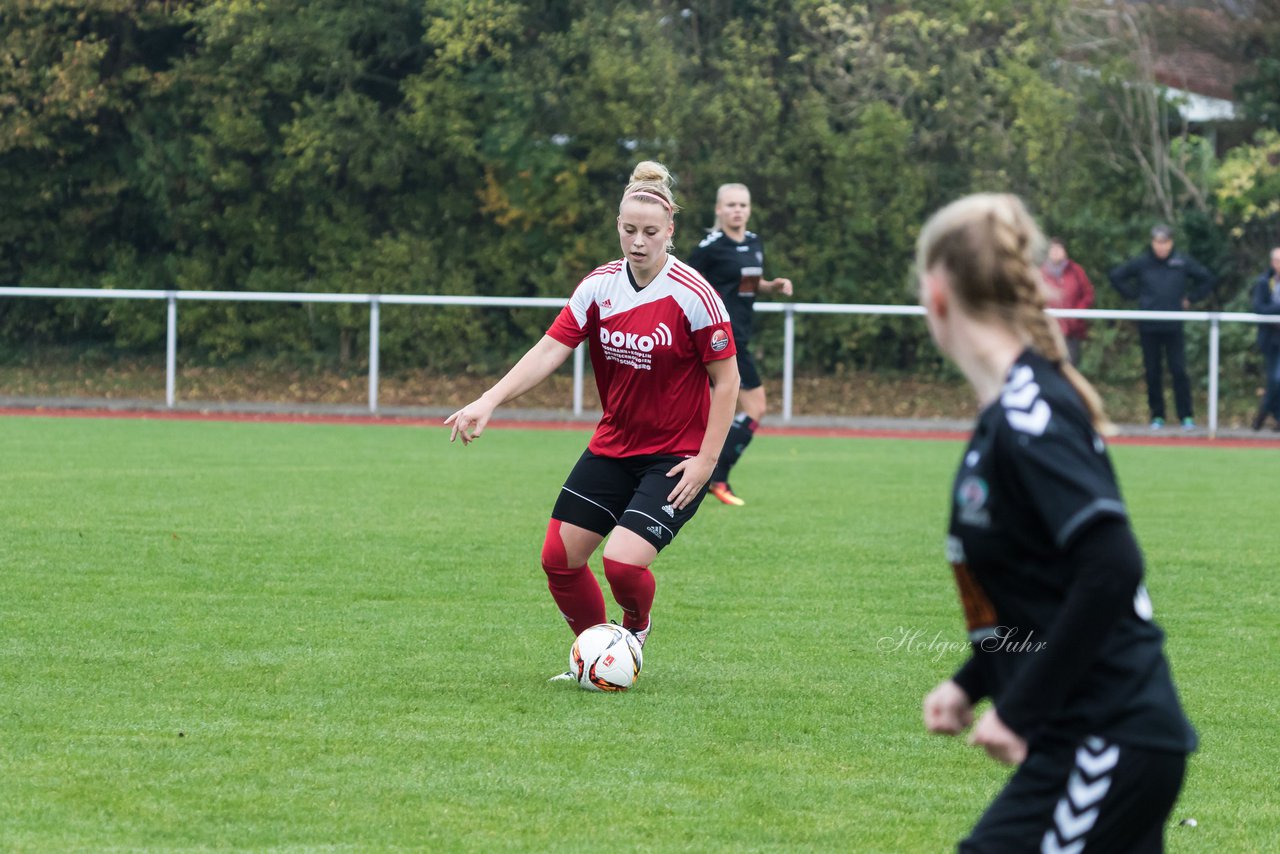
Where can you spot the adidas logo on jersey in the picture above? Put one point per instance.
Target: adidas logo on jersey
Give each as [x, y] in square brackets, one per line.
[607, 304]
[656, 530]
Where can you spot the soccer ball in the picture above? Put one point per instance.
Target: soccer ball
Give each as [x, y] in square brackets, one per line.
[605, 658]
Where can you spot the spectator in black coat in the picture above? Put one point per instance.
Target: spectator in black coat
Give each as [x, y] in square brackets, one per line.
[1162, 279]
[1266, 300]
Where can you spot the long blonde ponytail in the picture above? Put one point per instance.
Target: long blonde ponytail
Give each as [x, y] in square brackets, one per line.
[988, 243]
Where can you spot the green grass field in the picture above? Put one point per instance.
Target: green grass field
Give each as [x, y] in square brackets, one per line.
[240, 636]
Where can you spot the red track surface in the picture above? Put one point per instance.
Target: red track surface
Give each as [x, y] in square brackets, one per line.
[1170, 440]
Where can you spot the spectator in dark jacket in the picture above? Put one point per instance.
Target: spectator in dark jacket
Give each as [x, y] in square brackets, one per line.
[1069, 287]
[1162, 279]
[1266, 300]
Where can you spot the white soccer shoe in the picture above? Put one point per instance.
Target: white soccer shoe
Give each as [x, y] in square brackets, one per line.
[639, 634]
[567, 676]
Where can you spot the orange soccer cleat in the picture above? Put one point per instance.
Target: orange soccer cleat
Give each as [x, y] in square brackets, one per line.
[721, 490]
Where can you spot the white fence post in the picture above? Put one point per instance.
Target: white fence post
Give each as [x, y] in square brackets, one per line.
[374, 323]
[171, 349]
[788, 359]
[578, 359]
[1214, 343]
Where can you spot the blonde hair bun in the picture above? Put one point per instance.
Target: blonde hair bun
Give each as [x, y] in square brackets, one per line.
[651, 172]
[652, 178]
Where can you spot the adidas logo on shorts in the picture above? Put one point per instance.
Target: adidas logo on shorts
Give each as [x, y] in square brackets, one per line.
[669, 510]
[656, 530]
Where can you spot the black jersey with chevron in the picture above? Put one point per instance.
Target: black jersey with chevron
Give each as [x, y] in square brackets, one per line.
[720, 259]
[1034, 476]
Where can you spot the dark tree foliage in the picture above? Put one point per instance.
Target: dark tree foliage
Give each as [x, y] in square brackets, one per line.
[481, 146]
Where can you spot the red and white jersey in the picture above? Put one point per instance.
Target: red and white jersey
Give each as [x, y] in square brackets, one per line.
[648, 349]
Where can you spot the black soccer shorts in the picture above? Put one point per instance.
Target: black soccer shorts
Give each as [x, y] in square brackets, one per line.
[1095, 797]
[748, 373]
[603, 493]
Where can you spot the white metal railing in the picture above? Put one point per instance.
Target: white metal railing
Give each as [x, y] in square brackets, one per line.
[788, 309]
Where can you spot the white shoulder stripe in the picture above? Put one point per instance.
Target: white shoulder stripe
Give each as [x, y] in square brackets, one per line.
[1033, 421]
[1025, 411]
[1020, 398]
[693, 280]
[711, 237]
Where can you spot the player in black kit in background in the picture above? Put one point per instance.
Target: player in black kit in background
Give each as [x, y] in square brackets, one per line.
[732, 260]
[1048, 570]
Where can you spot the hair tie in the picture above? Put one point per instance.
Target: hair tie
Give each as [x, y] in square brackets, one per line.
[647, 195]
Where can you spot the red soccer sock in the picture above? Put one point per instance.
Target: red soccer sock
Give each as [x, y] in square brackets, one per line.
[575, 589]
[633, 587]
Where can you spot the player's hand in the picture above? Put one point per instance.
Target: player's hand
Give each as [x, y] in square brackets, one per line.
[783, 285]
[694, 473]
[469, 421]
[947, 709]
[1000, 742]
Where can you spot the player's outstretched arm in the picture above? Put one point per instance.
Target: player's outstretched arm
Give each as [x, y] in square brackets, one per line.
[779, 284]
[534, 367]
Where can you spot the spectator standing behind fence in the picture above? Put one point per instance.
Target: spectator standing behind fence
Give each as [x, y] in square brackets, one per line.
[1266, 300]
[732, 260]
[1163, 279]
[1069, 287]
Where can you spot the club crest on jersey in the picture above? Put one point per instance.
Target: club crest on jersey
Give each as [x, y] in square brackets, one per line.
[719, 340]
[631, 349]
[971, 501]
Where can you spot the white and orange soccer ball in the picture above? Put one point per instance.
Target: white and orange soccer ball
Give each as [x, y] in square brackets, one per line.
[605, 658]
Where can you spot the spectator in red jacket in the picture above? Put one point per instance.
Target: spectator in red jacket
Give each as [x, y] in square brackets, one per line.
[1069, 287]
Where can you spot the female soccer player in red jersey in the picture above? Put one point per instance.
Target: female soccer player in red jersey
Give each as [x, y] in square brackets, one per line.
[1049, 573]
[662, 349]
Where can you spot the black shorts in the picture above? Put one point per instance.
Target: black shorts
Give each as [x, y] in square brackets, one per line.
[1110, 797]
[603, 493]
[747, 371]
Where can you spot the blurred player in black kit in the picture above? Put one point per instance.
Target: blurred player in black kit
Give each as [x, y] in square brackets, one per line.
[1048, 570]
[732, 260]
